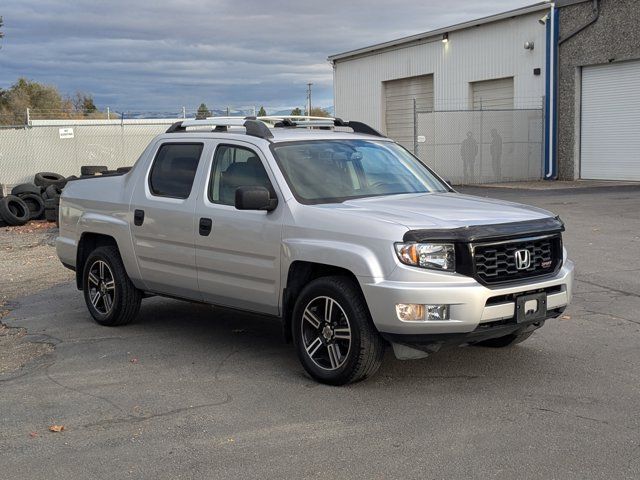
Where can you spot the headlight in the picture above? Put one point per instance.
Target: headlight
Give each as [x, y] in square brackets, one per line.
[437, 256]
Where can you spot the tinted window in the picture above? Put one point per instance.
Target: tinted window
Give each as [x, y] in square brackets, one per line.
[235, 167]
[174, 169]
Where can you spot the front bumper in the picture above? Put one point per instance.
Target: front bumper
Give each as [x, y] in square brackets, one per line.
[472, 305]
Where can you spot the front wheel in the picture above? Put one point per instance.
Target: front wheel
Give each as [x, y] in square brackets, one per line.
[334, 336]
[111, 297]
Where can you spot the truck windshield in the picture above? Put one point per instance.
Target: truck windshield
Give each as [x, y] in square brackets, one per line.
[331, 171]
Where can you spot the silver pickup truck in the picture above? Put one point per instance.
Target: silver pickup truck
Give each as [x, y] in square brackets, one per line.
[334, 229]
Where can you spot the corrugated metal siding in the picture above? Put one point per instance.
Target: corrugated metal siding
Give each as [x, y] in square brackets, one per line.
[399, 97]
[610, 132]
[490, 51]
[492, 94]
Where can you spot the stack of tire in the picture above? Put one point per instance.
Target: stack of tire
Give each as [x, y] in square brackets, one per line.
[32, 201]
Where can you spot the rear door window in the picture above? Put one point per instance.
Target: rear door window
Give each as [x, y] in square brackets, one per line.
[174, 169]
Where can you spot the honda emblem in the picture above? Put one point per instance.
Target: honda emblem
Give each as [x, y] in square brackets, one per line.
[523, 259]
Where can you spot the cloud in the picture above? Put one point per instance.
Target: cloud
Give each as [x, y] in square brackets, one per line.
[163, 54]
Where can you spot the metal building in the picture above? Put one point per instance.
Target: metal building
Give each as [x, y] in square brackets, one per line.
[468, 99]
[599, 89]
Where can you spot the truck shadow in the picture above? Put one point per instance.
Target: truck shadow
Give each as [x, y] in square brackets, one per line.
[209, 343]
[260, 348]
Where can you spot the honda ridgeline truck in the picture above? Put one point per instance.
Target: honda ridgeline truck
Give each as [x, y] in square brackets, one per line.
[343, 235]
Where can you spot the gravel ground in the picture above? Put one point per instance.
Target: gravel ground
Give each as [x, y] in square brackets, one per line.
[28, 264]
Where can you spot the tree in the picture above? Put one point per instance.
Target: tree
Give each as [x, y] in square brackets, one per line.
[262, 112]
[296, 111]
[319, 112]
[83, 103]
[41, 99]
[203, 112]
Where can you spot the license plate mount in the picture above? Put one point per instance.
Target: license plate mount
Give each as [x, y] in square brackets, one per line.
[530, 308]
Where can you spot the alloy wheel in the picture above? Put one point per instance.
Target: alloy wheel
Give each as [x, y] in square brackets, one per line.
[102, 287]
[326, 333]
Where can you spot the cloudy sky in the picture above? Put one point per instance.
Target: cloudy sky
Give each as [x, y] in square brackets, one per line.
[139, 55]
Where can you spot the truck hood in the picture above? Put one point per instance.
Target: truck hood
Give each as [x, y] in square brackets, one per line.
[440, 210]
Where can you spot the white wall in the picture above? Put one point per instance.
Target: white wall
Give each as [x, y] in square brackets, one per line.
[492, 50]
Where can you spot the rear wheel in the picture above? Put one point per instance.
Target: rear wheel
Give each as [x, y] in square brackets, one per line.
[111, 297]
[333, 333]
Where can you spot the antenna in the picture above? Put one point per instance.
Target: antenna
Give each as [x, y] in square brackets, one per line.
[309, 98]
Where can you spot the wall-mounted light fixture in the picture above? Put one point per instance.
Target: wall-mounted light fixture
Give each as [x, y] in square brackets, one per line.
[445, 37]
[528, 45]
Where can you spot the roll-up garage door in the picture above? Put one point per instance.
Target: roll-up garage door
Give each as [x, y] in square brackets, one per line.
[399, 95]
[610, 131]
[493, 94]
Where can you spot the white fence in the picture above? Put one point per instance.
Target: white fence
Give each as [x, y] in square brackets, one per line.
[465, 147]
[63, 146]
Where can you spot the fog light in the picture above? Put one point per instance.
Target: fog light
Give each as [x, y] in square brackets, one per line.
[413, 312]
[410, 312]
[437, 312]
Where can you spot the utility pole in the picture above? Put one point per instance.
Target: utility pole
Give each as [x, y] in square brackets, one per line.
[309, 98]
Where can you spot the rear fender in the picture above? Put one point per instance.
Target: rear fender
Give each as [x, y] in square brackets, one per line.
[116, 227]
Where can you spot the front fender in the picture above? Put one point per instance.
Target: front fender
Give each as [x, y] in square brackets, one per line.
[359, 260]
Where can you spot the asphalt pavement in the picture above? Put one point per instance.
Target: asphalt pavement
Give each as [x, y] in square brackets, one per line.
[191, 391]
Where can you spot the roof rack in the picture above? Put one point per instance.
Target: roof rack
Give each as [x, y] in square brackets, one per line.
[301, 121]
[253, 127]
[257, 126]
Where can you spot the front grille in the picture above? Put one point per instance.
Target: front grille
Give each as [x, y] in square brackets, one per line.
[496, 262]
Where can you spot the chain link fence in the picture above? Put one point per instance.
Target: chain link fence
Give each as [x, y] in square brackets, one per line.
[63, 146]
[464, 146]
[481, 146]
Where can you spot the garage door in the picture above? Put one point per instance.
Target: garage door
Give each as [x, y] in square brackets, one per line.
[399, 95]
[610, 133]
[493, 94]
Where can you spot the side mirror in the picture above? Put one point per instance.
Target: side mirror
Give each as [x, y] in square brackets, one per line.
[255, 198]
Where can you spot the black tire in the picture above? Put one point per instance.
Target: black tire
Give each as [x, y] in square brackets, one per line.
[14, 211]
[35, 203]
[92, 169]
[506, 341]
[125, 297]
[26, 188]
[51, 214]
[123, 169]
[71, 178]
[365, 348]
[44, 179]
[50, 203]
[52, 191]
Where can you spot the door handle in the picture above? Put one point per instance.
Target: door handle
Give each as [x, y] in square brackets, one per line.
[205, 226]
[138, 217]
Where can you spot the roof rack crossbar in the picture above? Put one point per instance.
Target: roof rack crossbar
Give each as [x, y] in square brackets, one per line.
[301, 121]
[220, 124]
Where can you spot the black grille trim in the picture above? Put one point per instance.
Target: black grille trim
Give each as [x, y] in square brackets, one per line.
[493, 263]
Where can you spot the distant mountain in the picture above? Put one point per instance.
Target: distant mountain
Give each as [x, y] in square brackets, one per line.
[288, 112]
[214, 112]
